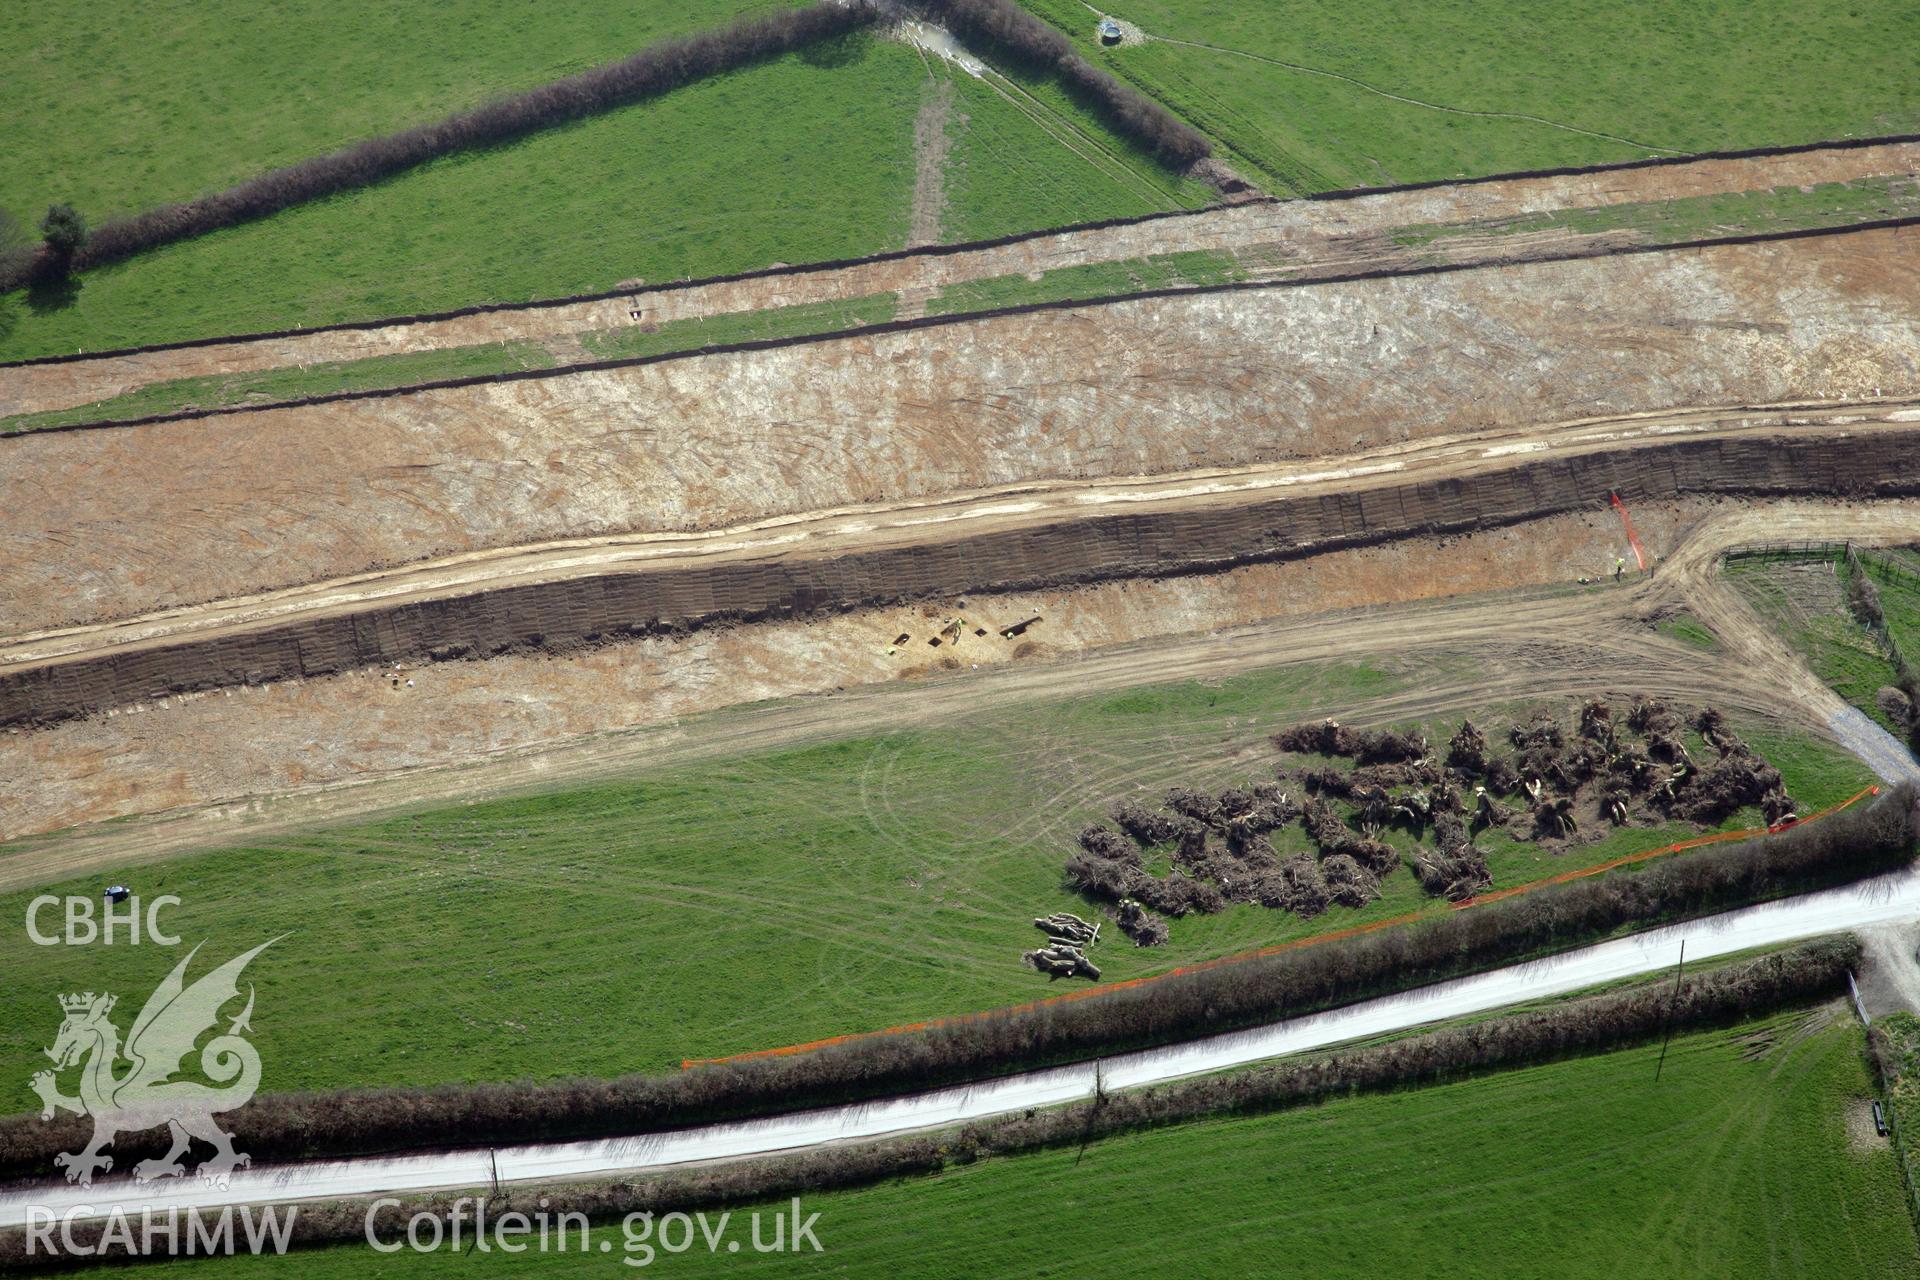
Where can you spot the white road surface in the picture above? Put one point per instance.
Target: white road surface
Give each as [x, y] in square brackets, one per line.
[1887, 899]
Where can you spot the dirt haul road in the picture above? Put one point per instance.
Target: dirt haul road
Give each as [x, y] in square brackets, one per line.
[245, 767]
[1285, 239]
[1183, 527]
[845, 530]
[114, 523]
[1886, 900]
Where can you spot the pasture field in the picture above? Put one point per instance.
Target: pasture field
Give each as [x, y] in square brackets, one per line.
[743, 903]
[1603, 82]
[693, 183]
[178, 97]
[1024, 154]
[1737, 1163]
[804, 158]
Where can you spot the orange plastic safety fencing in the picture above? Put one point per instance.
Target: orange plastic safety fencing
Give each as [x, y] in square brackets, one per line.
[1082, 993]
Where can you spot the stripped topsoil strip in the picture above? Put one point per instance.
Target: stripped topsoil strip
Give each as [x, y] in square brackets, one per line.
[1856, 843]
[584, 612]
[1720, 996]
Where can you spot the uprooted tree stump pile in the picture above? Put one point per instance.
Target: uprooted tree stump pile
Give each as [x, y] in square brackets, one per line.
[1548, 786]
[1065, 955]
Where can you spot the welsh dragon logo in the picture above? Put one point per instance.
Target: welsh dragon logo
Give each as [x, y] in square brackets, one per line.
[145, 1096]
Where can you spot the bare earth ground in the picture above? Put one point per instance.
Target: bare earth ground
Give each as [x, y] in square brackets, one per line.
[110, 523]
[930, 164]
[1194, 404]
[239, 763]
[1294, 236]
[1032, 508]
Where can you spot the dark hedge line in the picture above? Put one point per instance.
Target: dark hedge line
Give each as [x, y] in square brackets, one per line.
[669, 64]
[1737, 991]
[1016, 34]
[1856, 843]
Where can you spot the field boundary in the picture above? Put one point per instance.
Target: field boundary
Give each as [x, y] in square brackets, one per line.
[1577, 1027]
[942, 250]
[1600, 250]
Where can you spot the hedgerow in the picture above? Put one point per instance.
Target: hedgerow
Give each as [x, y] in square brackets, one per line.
[1847, 846]
[656, 69]
[1742, 990]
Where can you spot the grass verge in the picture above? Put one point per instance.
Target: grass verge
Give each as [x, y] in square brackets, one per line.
[739, 326]
[293, 382]
[1774, 210]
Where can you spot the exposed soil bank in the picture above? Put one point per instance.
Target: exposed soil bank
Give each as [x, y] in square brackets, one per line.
[1306, 234]
[573, 613]
[113, 523]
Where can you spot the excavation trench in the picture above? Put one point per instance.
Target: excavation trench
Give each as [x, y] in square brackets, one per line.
[1178, 538]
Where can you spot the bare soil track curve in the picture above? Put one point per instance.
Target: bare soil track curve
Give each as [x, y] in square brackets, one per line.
[1519, 644]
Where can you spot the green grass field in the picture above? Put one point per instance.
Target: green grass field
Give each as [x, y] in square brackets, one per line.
[1736, 1164]
[178, 97]
[1682, 76]
[806, 158]
[743, 903]
[1023, 154]
[1804, 600]
[694, 183]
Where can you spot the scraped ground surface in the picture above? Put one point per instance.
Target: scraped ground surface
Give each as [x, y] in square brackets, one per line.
[241, 763]
[1344, 235]
[106, 523]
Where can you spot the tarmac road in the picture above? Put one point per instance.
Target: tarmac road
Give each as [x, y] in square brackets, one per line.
[1885, 900]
